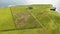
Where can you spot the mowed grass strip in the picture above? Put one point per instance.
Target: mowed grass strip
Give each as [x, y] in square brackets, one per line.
[29, 31]
[10, 32]
[6, 20]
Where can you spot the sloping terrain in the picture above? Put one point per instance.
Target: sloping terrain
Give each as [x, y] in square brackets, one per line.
[31, 19]
[6, 21]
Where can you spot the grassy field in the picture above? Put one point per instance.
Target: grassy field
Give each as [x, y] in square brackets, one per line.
[38, 20]
[6, 21]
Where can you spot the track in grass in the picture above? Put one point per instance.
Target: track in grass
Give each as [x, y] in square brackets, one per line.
[39, 20]
[23, 19]
[6, 21]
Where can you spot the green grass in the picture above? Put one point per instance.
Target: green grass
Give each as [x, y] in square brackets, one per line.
[11, 32]
[41, 20]
[30, 20]
[6, 21]
[29, 31]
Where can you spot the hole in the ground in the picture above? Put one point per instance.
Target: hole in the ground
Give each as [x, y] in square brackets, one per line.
[53, 9]
[30, 8]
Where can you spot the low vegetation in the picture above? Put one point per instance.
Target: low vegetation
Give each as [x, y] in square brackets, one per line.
[32, 19]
